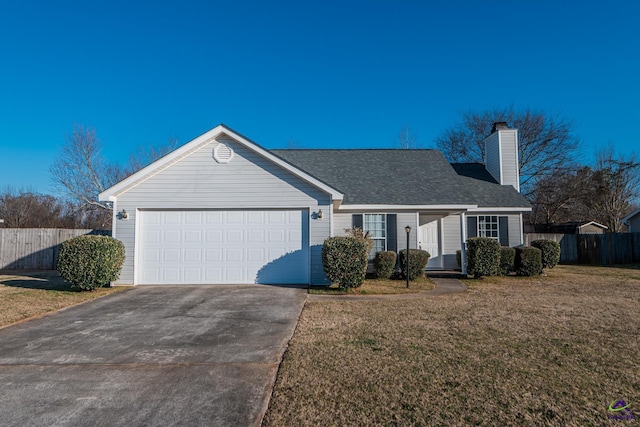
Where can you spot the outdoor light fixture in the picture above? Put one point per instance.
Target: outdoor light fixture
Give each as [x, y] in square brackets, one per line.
[319, 214]
[124, 214]
[408, 230]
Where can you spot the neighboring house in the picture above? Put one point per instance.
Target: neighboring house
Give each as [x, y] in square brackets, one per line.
[222, 209]
[632, 221]
[576, 227]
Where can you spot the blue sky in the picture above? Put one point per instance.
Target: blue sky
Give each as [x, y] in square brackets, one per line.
[324, 74]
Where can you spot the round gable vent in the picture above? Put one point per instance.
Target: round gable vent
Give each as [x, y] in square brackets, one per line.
[222, 153]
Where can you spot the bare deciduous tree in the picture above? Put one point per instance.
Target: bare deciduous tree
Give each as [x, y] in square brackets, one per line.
[615, 186]
[26, 209]
[407, 139]
[560, 197]
[80, 172]
[546, 143]
[145, 155]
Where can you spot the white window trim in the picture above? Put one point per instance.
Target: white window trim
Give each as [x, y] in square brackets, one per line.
[385, 238]
[480, 231]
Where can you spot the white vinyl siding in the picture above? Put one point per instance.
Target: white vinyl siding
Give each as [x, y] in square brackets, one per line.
[450, 241]
[501, 157]
[509, 151]
[341, 222]
[248, 181]
[411, 219]
[492, 156]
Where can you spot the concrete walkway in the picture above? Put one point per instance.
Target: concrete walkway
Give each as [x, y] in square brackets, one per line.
[446, 283]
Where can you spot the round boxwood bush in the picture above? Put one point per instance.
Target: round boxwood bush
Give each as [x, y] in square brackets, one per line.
[418, 260]
[345, 260]
[550, 252]
[483, 257]
[383, 264]
[528, 261]
[507, 259]
[90, 262]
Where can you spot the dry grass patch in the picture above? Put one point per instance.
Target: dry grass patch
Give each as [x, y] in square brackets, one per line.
[553, 350]
[379, 287]
[27, 294]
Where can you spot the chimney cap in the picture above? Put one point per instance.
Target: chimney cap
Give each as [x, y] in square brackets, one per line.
[499, 126]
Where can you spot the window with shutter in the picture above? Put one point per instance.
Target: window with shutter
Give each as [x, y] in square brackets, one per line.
[381, 228]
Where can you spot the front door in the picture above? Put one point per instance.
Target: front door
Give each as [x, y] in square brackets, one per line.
[430, 242]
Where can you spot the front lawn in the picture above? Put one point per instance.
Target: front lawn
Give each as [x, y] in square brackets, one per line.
[27, 294]
[551, 350]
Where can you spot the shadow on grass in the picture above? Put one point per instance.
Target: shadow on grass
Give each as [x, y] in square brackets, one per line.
[47, 280]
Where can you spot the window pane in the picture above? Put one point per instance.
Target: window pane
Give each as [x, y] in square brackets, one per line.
[488, 226]
[376, 225]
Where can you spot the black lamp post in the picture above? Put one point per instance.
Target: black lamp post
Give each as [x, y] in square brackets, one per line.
[408, 230]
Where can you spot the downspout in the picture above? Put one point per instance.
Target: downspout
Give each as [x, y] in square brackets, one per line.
[463, 246]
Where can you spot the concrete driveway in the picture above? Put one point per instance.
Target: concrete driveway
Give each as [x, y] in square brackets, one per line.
[152, 356]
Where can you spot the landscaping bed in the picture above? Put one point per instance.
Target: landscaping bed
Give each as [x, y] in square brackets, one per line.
[543, 350]
[378, 287]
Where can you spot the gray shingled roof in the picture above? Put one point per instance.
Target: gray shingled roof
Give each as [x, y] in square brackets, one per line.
[402, 177]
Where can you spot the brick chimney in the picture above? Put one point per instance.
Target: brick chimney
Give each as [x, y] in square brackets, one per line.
[501, 155]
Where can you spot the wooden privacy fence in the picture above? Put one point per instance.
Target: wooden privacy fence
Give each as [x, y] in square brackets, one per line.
[594, 249]
[34, 248]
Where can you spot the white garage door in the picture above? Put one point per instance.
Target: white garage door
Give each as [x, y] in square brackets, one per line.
[217, 247]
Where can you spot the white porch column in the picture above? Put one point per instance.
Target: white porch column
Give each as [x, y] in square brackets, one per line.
[463, 237]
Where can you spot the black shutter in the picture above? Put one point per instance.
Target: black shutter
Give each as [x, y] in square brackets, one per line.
[503, 230]
[356, 221]
[392, 233]
[472, 226]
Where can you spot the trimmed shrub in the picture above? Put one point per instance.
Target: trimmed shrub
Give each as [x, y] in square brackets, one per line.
[90, 262]
[359, 233]
[418, 260]
[528, 261]
[507, 259]
[383, 264]
[345, 260]
[483, 257]
[550, 252]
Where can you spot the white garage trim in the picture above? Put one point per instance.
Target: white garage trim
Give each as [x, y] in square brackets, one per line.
[238, 246]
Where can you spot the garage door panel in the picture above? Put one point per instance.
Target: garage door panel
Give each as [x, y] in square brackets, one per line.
[171, 218]
[255, 218]
[171, 236]
[233, 275]
[214, 255]
[223, 247]
[170, 275]
[193, 256]
[193, 237]
[170, 255]
[234, 237]
[234, 217]
[255, 236]
[193, 275]
[193, 218]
